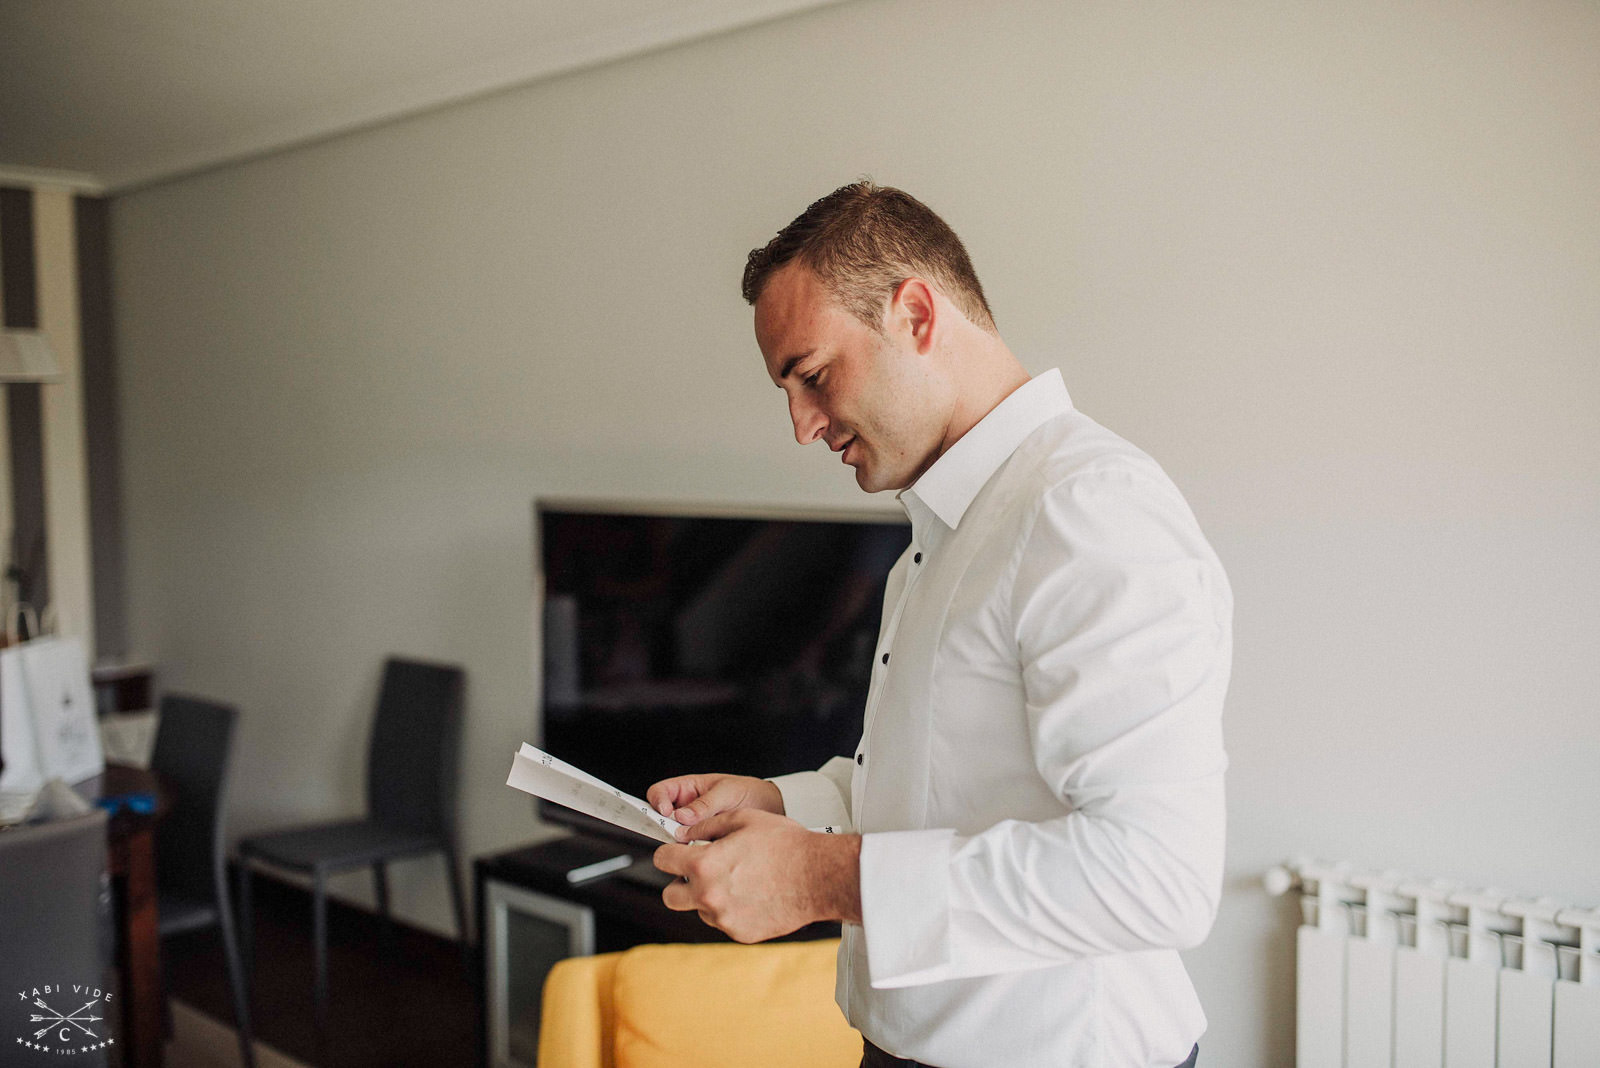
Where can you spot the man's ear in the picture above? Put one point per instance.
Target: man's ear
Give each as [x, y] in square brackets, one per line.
[913, 309]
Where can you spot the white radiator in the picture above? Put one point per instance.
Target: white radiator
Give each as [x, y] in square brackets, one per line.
[1394, 972]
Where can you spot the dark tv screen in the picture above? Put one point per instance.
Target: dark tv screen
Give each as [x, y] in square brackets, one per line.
[677, 643]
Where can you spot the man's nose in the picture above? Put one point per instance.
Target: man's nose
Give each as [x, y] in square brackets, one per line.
[809, 422]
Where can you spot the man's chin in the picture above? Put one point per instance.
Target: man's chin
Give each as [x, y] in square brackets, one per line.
[871, 483]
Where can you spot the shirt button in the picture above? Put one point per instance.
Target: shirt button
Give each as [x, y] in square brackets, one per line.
[861, 758]
[917, 559]
[885, 658]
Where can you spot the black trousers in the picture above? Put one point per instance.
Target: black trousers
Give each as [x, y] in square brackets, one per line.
[873, 1057]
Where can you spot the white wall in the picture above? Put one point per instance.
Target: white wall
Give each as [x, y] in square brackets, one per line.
[1337, 266]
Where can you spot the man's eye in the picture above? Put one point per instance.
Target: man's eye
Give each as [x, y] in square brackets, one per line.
[812, 378]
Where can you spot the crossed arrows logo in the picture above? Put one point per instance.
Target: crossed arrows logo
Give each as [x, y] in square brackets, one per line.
[56, 1019]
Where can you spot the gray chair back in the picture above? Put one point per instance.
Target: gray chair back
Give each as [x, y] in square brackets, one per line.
[193, 751]
[411, 762]
[55, 927]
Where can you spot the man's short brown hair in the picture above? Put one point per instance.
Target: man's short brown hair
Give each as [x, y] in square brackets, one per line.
[863, 240]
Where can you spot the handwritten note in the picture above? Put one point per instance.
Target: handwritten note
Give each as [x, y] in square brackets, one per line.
[536, 772]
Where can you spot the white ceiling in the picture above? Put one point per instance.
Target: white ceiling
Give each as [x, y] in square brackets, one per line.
[113, 96]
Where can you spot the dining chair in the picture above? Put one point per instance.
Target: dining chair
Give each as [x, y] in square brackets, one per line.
[55, 926]
[411, 804]
[194, 754]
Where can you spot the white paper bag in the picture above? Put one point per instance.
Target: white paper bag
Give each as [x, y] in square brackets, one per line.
[46, 684]
[22, 775]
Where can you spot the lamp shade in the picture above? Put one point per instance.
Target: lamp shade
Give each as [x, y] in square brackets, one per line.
[25, 356]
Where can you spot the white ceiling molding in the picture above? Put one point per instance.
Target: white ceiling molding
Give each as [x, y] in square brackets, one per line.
[42, 178]
[502, 73]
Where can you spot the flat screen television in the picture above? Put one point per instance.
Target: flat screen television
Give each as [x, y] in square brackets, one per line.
[677, 639]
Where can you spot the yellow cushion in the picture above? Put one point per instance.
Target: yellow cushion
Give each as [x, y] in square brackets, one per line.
[731, 1005]
[576, 1014]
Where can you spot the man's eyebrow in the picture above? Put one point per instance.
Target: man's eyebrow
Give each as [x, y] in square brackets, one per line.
[788, 365]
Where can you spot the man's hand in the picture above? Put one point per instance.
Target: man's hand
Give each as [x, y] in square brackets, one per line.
[763, 875]
[691, 798]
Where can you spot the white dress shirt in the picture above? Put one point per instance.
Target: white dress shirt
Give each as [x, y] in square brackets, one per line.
[1039, 779]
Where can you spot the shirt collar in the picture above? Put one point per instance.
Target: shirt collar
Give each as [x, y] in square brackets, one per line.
[949, 486]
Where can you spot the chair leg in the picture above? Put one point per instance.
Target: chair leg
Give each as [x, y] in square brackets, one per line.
[236, 979]
[458, 899]
[380, 889]
[319, 936]
[247, 919]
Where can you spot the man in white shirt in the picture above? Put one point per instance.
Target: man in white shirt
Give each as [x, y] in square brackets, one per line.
[1034, 813]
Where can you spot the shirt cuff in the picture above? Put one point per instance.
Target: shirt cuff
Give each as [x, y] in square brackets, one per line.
[905, 905]
[812, 799]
